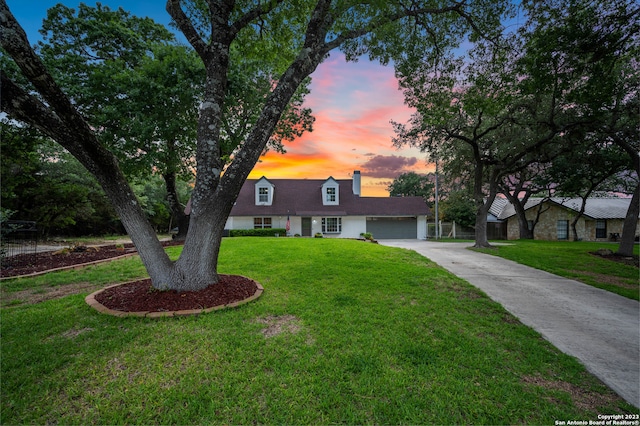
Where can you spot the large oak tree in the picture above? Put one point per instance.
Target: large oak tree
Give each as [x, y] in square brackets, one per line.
[512, 105]
[313, 28]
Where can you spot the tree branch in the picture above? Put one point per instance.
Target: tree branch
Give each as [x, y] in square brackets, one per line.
[385, 20]
[16, 102]
[186, 26]
[254, 13]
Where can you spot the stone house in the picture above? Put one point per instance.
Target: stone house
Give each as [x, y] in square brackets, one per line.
[602, 219]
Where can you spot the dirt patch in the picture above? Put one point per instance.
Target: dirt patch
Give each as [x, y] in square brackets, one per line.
[43, 294]
[583, 398]
[279, 324]
[76, 332]
[607, 279]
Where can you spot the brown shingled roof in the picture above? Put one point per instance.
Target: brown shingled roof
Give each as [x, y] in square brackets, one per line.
[303, 197]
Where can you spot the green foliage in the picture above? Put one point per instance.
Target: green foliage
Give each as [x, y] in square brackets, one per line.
[267, 232]
[385, 337]
[298, 35]
[138, 89]
[460, 208]
[412, 184]
[44, 183]
[558, 85]
[152, 194]
[573, 47]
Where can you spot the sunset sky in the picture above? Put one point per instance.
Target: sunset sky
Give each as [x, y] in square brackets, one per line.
[353, 104]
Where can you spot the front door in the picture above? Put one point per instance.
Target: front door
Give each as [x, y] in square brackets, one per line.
[306, 226]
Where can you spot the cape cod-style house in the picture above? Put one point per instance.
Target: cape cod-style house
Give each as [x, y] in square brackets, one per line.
[332, 207]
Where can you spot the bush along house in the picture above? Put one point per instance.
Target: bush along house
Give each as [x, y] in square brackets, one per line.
[331, 207]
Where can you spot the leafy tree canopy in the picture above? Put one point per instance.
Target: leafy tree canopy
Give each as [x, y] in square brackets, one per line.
[412, 184]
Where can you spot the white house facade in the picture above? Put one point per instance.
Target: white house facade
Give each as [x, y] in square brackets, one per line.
[331, 207]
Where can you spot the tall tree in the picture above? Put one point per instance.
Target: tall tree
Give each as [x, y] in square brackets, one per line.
[597, 44]
[518, 189]
[315, 29]
[412, 184]
[465, 117]
[499, 112]
[142, 92]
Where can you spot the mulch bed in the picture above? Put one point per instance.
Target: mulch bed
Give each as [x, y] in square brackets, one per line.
[137, 296]
[614, 257]
[24, 264]
[140, 296]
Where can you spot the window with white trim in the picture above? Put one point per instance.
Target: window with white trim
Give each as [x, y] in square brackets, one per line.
[264, 192]
[331, 195]
[263, 195]
[331, 225]
[261, 222]
[331, 192]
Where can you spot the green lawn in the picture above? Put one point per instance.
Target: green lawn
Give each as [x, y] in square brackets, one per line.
[573, 260]
[359, 333]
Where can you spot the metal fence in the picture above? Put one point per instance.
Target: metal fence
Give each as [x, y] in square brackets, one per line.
[450, 230]
[19, 243]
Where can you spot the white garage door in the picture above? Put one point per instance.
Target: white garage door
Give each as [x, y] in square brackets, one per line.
[392, 227]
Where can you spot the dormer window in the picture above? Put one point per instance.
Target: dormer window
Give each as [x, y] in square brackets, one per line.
[264, 192]
[331, 195]
[330, 192]
[263, 195]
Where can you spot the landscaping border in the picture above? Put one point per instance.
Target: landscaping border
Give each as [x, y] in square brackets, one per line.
[91, 301]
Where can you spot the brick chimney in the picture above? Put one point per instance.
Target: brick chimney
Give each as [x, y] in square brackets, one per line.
[356, 182]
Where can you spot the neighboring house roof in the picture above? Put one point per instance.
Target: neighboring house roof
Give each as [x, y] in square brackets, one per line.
[303, 197]
[595, 208]
[497, 207]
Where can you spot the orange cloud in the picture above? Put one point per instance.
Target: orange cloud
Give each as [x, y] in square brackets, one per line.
[353, 104]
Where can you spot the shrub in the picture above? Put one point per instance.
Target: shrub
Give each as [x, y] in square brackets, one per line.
[268, 232]
[318, 235]
[367, 236]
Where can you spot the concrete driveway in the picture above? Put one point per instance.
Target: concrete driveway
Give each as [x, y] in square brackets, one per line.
[599, 328]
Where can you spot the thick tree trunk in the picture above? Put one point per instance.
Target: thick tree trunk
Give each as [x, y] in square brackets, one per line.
[482, 205]
[630, 223]
[214, 193]
[197, 266]
[481, 223]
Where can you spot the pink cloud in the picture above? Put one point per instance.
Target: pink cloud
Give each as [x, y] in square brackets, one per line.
[353, 104]
[388, 166]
